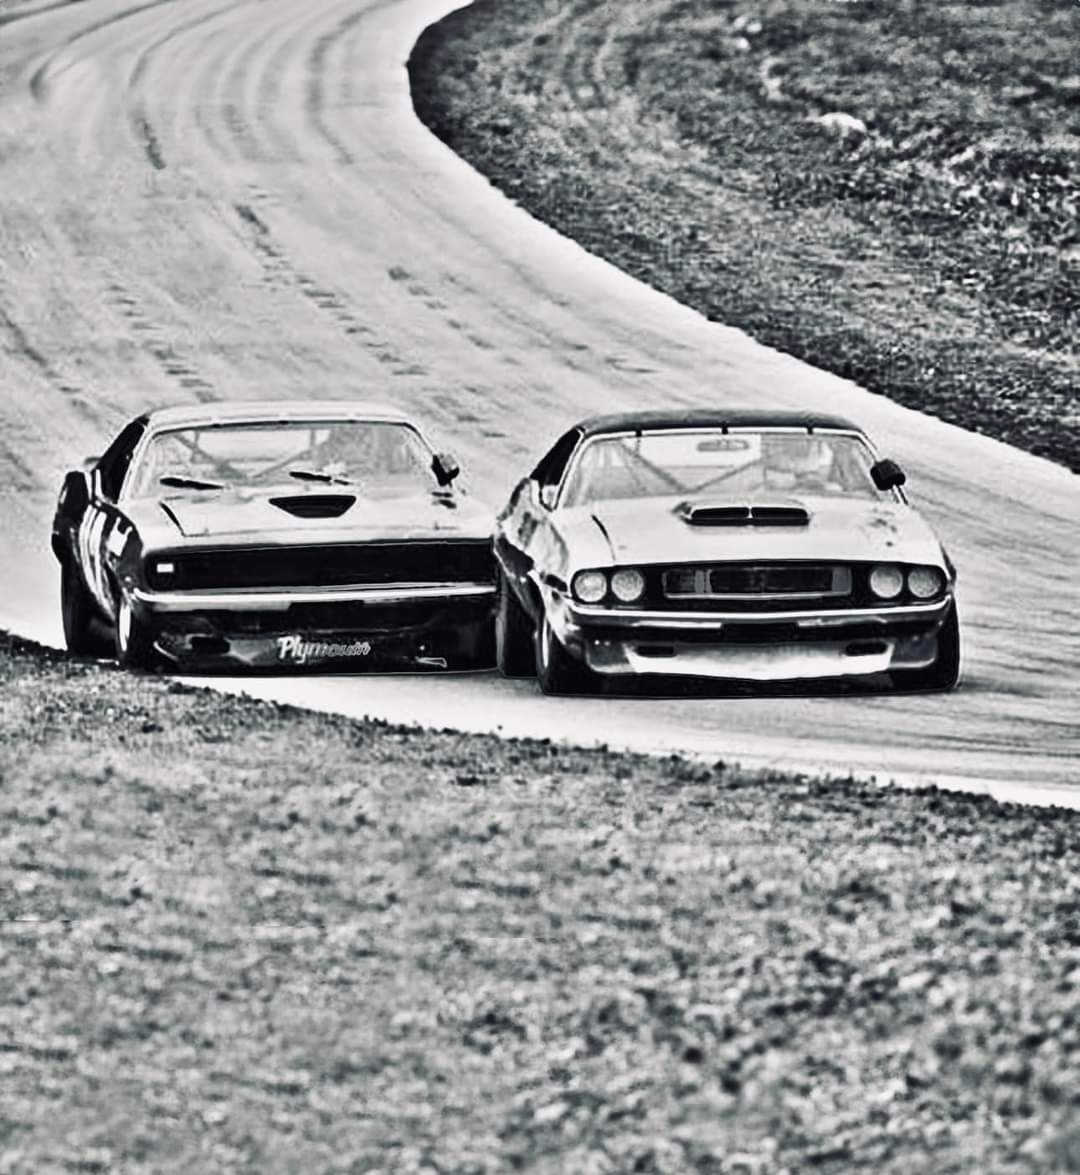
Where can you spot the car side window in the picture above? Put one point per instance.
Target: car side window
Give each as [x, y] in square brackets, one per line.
[114, 463]
[552, 466]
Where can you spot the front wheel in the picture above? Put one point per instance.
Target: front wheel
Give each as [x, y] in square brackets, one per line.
[556, 670]
[134, 639]
[513, 634]
[944, 673]
[79, 615]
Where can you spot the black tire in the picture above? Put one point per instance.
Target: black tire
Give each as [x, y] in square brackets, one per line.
[79, 613]
[134, 640]
[557, 671]
[944, 673]
[513, 633]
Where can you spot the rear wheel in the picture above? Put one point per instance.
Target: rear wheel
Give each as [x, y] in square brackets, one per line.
[557, 671]
[944, 673]
[513, 634]
[134, 639]
[79, 614]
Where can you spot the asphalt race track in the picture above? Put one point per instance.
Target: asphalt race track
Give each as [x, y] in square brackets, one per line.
[221, 198]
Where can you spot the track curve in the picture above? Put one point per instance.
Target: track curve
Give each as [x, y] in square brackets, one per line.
[233, 198]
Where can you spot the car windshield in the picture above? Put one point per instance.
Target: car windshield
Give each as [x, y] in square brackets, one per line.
[384, 458]
[739, 463]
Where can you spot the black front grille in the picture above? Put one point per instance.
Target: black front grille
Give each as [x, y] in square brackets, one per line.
[331, 565]
[756, 580]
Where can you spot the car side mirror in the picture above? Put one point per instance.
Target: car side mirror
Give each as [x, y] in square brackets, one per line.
[445, 468]
[548, 494]
[887, 474]
[75, 494]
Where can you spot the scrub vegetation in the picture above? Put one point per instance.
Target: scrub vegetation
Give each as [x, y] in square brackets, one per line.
[243, 937]
[885, 188]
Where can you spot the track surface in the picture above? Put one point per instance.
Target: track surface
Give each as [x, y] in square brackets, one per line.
[208, 198]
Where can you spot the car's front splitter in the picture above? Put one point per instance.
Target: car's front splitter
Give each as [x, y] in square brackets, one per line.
[349, 652]
[855, 645]
[762, 662]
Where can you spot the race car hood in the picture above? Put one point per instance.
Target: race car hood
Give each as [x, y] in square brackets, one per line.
[656, 530]
[285, 515]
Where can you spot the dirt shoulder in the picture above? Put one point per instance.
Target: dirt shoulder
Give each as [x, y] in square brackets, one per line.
[921, 240]
[245, 937]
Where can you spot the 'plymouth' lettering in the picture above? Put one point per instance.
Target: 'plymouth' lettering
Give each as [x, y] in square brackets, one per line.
[299, 651]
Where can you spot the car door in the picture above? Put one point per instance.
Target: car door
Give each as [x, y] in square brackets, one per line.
[103, 529]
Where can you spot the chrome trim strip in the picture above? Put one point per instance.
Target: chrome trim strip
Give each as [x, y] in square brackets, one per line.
[627, 618]
[277, 600]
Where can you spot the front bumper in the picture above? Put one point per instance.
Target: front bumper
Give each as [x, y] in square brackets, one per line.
[774, 646]
[399, 625]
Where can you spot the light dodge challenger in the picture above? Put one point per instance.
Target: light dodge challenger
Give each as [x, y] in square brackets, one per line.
[739, 544]
[274, 534]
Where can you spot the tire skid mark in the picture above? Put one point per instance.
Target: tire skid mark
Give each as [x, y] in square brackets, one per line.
[281, 273]
[157, 344]
[138, 112]
[12, 17]
[315, 102]
[39, 79]
[22, 348]
[267, 99]
[230, 99]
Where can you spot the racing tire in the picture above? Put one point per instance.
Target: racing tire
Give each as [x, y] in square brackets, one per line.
[134, 639]
[79, 615]
[944, 673]
[514, 653]
[556, 670]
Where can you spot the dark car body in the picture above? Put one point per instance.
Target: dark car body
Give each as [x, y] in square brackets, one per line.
[278, 567]
[658, 543]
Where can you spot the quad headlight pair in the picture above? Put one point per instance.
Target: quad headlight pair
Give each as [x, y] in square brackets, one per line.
[887, 581]
[627, 585]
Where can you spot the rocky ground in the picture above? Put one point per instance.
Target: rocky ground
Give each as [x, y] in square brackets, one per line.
[887, 190]
[243, 937]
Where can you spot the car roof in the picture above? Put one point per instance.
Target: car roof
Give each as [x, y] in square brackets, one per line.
[678, 418]
[270, 411]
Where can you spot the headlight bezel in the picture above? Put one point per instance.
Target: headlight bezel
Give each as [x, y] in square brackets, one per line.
[579, 595]
[622, 573]
[882, 569]
[609, 576]
[938, 578]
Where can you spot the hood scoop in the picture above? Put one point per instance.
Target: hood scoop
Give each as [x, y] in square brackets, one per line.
[710, 514]
[315, 505]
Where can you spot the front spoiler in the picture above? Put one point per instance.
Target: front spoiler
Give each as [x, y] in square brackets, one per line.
[398, 626]
[298, 650]
[849, 643]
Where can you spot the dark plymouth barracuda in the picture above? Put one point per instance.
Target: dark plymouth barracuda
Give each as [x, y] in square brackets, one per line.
[274, 534]
[741, 544]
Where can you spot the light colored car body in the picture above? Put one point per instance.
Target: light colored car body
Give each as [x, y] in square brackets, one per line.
[768, 585]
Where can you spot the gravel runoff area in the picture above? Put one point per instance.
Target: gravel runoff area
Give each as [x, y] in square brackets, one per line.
[885, 188]
[243, 937]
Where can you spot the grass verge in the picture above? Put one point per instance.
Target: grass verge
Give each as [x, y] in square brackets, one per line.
[238, 936]
[922, 240]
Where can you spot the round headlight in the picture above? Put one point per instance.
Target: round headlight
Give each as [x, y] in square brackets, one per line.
[886, 581]
[590, 587]
[925, 582]
[628, 584]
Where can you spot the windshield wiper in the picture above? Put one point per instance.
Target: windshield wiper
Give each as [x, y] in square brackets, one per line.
[188, 483]
[330, 479]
